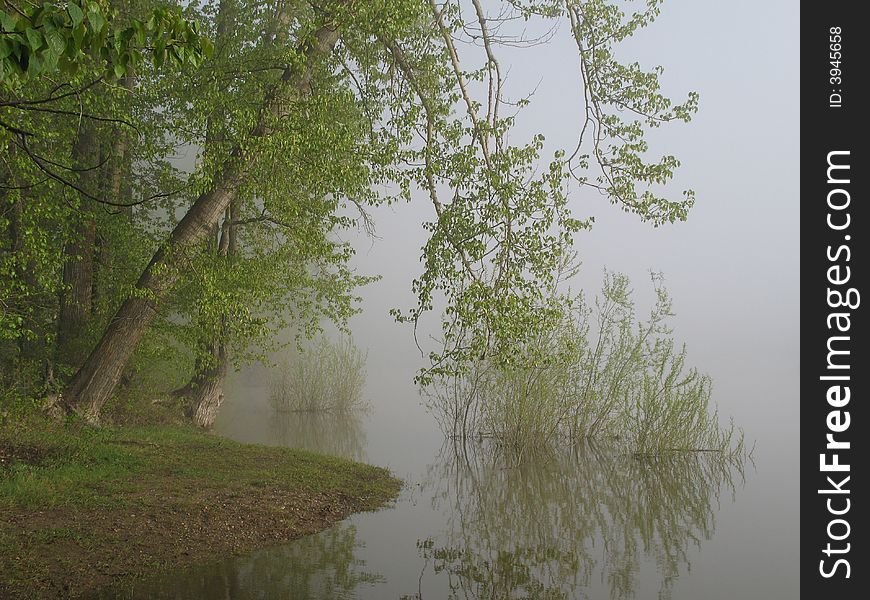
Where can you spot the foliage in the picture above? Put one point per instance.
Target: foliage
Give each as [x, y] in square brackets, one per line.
[100, 168]
[504, 221]
[42, 38]
[49, 186]
[325, 377]
[596, 374]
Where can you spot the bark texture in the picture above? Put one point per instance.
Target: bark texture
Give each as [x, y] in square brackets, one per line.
[202, 397]
[78, 268]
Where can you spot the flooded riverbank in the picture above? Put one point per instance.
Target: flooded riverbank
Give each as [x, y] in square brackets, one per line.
[474, 523]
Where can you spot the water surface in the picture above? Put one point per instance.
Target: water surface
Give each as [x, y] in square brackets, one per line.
[476, 522]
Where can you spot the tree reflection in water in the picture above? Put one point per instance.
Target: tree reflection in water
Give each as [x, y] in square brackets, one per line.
[549, 526]
[321, 566]
[315, 567]
[339, 434]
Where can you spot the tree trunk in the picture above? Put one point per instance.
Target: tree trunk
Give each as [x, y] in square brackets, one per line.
[95, 381]
[204, 394]
[119, 163]
[78, 281]
[78, 268]
[116, 185]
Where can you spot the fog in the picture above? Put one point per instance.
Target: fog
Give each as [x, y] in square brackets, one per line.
[731, 268]
[598, 474]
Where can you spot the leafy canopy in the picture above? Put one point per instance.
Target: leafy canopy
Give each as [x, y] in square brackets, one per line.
[43, 38]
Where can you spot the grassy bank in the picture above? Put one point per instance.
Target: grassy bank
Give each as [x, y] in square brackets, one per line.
[80, 508]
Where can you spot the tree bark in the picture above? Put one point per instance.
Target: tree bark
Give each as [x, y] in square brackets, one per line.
[116, 185]
[78, 268]
[204, 394]
[78, 281]
[95, 381]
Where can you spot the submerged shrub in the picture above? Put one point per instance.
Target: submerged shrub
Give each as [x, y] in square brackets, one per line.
[324, 377]
[598, 373]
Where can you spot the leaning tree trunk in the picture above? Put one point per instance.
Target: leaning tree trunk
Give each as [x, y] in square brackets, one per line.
[95, 381]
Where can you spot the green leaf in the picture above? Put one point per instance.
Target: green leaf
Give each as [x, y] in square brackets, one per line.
[56, 42]
[49, 60]
[96, 20]
[8, 21]
[159, 55]
[139, 28]
[37, 15]
[34, 66]
[207, 48]
[75, 13]
[34, 38]
[79, 36]
[15, 65]
[5, 48]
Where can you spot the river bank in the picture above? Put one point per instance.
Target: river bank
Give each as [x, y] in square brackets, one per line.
[81, 509]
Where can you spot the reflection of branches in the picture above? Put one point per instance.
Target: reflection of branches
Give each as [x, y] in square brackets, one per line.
[324, 565]
[340, 434]
[534, 528]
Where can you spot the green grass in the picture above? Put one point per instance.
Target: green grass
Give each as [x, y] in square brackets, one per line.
[82, 466]
[71, 497]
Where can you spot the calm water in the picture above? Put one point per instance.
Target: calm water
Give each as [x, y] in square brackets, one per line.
[476, 524]
[590, 524]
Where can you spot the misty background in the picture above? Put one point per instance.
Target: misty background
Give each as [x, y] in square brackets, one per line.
[731, 268]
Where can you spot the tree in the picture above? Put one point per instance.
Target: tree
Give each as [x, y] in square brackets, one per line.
[272, 258]
[96, 379]
[66, 195]
[345, 103]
